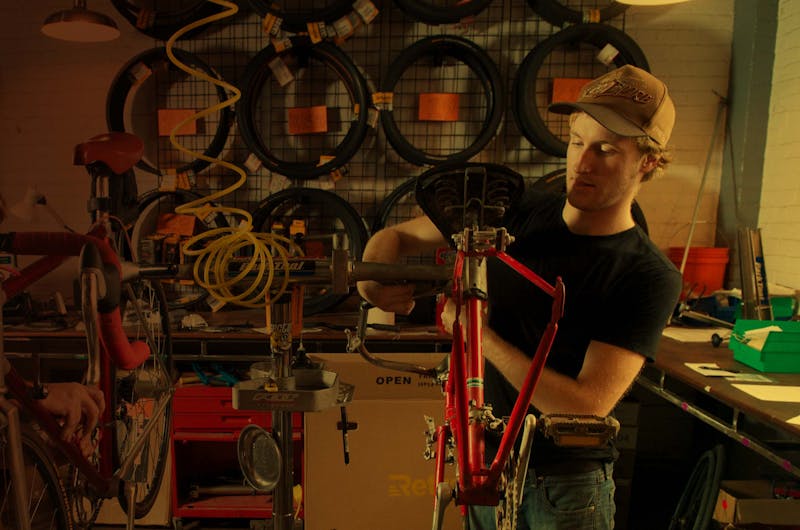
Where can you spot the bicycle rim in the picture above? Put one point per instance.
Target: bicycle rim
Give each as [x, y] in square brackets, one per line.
[140, 393]
[49, 508]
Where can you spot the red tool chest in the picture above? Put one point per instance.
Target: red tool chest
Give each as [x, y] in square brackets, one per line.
[206, 478]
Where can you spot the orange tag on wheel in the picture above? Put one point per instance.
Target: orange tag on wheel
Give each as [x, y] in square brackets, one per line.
[438, 106]
[567, 88]
[308, 120]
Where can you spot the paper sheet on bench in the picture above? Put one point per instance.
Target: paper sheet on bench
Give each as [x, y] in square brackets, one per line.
[784, 393]
[694, 334]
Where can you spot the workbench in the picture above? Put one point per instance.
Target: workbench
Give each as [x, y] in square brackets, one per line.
[718, 403]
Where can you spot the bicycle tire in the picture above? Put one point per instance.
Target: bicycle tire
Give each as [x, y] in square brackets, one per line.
[479, 62]
[162, 24]
[135, 71]
[435, 15]
[256, 76]
[559, 14]
[142, 391]
[526, 112]
[295, 21]
[696, 504]
[180, 295]
[52, 510]
[402, 194]
[556, 182]
[325, 213]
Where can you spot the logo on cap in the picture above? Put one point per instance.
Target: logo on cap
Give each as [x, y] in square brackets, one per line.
[618, 88]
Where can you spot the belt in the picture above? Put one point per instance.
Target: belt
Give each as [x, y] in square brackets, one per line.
[567, 467]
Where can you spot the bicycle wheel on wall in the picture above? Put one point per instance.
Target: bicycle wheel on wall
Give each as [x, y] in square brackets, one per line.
[560, 13]
[461, 88]
[569, 55]
[152, 206]
[47, 499]
[325, 216]
[142, 397]
[303, 110]
[431, 13]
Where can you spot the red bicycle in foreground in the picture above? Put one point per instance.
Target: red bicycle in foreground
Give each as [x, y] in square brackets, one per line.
[128, 358]
[466, 202]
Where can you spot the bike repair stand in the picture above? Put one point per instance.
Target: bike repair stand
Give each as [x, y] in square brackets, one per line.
[296, 386]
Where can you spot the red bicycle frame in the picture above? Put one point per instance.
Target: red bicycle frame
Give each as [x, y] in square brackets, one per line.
[114, 346]
[463, 386]
[464, 389]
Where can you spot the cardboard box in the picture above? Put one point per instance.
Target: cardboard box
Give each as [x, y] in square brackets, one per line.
[751, 501]
[387, 484]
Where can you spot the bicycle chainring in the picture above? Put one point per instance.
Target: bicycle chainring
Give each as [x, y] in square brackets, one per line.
[84, 504]
[507, 508]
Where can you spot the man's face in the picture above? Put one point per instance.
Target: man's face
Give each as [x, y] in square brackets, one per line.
[604, 170]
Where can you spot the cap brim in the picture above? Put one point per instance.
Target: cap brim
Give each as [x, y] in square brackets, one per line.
[608, 118]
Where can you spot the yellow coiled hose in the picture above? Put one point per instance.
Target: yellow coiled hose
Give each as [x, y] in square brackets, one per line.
[217, 249]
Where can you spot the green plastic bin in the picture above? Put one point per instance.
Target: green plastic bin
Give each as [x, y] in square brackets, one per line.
[781, 351]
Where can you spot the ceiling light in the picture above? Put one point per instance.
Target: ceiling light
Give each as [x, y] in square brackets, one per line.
[80, 25]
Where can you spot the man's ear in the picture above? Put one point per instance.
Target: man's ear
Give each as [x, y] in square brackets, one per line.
[649, 163]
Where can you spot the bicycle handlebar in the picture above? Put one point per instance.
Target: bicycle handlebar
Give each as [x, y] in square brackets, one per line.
[56, 247]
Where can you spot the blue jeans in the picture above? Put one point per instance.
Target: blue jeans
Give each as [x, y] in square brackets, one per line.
[583, 501]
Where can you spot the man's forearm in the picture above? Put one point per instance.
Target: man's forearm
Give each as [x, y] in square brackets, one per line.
[555, 393]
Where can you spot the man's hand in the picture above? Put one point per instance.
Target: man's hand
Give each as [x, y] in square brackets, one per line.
[392, 298]
[79, 408]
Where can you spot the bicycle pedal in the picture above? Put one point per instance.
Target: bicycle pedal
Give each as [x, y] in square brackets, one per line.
[579, 430]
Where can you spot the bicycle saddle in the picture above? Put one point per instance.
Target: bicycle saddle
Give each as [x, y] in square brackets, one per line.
[118, 150]
[468, 195]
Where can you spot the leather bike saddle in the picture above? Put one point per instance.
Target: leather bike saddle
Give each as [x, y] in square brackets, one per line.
[120, 151]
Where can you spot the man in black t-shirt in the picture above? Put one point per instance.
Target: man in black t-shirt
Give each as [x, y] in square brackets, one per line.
[620, 292]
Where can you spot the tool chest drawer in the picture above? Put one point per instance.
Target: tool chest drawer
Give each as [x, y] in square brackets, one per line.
[206, 408]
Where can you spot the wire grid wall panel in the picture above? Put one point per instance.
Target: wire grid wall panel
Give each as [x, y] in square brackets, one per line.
[507, 30]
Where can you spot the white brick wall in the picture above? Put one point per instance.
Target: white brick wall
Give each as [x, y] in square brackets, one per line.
[52, 96]
[780, 195]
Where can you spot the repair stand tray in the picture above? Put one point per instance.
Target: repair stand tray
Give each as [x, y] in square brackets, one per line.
[314, 390]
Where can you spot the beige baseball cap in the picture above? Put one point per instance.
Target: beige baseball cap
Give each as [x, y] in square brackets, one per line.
[628, 101]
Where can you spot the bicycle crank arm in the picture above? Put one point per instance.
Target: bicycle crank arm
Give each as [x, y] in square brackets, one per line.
[444, 496]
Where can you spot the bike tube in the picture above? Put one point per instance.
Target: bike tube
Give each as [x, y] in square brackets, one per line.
[162, 24]
[324, 213]
[556, 182]
[298, 20]
[530, 94]
[432, 14]
[437, 48]
[156, 63]
[558, 13]
[257, 122]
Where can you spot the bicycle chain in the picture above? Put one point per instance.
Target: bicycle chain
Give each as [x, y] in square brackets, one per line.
[79, 493]
[506, 512]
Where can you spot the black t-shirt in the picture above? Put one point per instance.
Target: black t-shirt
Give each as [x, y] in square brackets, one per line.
[620, 289]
